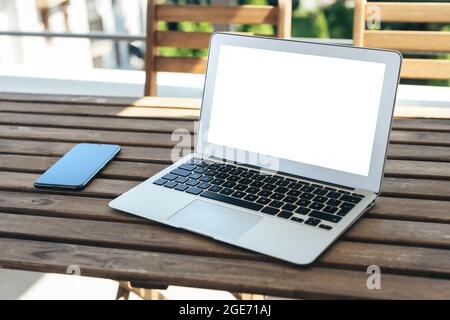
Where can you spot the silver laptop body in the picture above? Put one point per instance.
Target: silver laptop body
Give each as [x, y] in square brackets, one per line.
[290, 148]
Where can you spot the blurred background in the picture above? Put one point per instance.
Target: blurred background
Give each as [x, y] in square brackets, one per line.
[47, 37]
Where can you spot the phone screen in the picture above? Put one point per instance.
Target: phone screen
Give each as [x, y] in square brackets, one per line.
[78, 166]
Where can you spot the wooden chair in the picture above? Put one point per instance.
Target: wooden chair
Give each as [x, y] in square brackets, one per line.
[406, 41]
[249, 14]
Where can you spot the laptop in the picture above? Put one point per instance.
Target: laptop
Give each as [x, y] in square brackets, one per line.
[290, 148]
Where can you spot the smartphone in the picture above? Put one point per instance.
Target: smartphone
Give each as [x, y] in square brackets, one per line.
[78, 167]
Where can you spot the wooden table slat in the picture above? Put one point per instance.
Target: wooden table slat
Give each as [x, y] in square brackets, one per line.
[271, 278]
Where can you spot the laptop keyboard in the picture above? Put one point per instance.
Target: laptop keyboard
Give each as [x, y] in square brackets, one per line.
[286, 198]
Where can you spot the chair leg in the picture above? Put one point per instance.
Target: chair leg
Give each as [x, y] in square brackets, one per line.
[248, 296]
[122, 293]
[125, 288]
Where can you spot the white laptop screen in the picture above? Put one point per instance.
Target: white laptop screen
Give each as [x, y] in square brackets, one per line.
[315, 110]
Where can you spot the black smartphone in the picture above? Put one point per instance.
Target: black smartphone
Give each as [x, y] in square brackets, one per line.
[77, 168]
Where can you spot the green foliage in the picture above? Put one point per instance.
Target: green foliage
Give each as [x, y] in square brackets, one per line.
[309, 24]
[340, 20]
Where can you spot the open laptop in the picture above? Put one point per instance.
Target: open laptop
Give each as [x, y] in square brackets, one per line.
[290, 150]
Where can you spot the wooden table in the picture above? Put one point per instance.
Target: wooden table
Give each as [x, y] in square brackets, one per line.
[407, 233]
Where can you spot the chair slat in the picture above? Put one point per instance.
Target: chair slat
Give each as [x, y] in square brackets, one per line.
[178, 64]
[426, 69]
[179, 39]
[437, 41]
[405, 12]
[249, 14]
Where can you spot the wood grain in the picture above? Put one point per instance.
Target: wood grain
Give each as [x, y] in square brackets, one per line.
[248, 14]
[435, 41]
[222, 274]
[406, 233]
[412, 12]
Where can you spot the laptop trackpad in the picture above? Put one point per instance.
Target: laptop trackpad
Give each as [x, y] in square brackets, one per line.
[214, 220]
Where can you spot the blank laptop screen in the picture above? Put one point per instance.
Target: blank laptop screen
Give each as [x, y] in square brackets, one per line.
[316, 110]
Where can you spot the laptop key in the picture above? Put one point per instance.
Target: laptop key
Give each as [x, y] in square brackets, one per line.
[325, 227]
[289, 207]
[211, 173]
[259, 178]
[240, 187]
[213, 167]
[320, 192]
[206, 179]
[234, 179]
[257, 184]
[238, 194]
[312, 222]
[276, 204]
[233, 201]
[316, 206]
[159, 182]
[265, 193]
[269, 187]
[195, 176]
[303, 203]
[295, 186]
[282, 183]
[325, 216]
[294, 193]
[213, 188]
[253, 190]
[285, 214]
[245, 181]
[303, 211]
[343, 212]
[263, 200]
[181, 179]
[180, 172]
[170, 177]
[192, 183]
[281, 190]
[203, 185]
[271, 211]
[218, 181]
[247, 174]
[320, 199]
[307, 196]
[289, 199]
[307, 189]
[181, 187]
[193, 190]
[200, 170]
[251, 197]
[227, 191]
[333, 195]
[333, 202]
[350, 199]
[277, 196]
[229, 184]
[330, 209]
[187, 167]
[222, 176]
[170, 184]
[358, 195]
[297, 219]
[270, 180]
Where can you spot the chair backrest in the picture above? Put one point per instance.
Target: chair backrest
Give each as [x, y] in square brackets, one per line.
[279, 16]
[406, 41]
